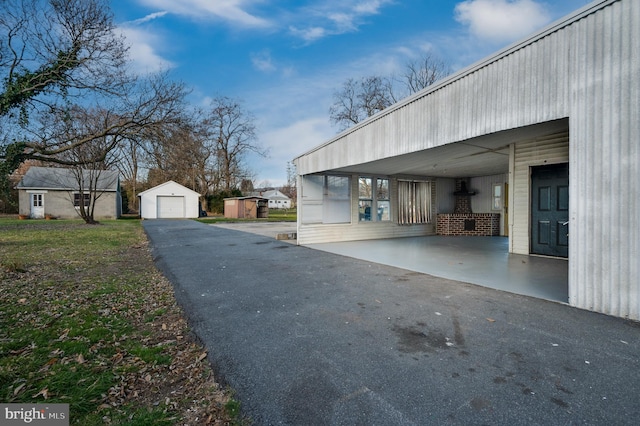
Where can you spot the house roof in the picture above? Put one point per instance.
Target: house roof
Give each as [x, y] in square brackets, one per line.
[274, 195]
[166, 186]
[57, 178]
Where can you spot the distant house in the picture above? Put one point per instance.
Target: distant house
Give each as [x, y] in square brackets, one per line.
[250, 207]
[169, 200]
[55, 191]
[277, 200]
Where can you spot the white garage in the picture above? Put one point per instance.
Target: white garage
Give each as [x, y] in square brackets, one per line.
[169, 200]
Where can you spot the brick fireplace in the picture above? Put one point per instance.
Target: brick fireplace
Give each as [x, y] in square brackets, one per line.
[463, 221]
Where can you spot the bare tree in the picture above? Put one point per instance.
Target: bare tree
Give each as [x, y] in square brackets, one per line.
[231, 130]
[86, 139]
[176, 154]
[52, 52]
[291, 189]
[56, 50]
[130, 163]
[360, 99]
[424, 72]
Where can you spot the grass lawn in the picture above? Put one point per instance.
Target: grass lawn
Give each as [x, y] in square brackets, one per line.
[275, 215]
[86, 319]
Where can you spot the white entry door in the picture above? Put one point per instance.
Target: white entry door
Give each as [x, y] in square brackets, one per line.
[170, 207]
[37, 206]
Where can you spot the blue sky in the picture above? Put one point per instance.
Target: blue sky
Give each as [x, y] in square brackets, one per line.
[284, 58]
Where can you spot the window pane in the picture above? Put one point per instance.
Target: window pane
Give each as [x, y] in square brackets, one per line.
[364, 208]
[364, 188]
[383, 189]
[383, 210]
[337, 187]
[312, 187]
[337, 202]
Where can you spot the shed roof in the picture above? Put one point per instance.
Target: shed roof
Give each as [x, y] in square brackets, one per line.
[249, 197]
[166, 185]
[58, 178]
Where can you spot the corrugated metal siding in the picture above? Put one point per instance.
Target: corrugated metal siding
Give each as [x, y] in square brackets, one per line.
[604, 233]
[525, 86]
[586, 69]
[553, 149]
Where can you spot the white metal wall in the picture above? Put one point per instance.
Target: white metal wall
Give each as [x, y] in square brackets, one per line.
[604, 229]
[586, 68]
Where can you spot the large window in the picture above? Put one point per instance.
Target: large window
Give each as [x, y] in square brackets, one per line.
[326, 199]
[337, 200]
[373, 199]
[414, 202]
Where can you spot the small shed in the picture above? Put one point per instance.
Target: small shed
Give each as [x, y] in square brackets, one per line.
[169, 200]
[246, 207]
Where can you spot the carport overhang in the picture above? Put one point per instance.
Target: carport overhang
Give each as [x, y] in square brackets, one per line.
[480, 156]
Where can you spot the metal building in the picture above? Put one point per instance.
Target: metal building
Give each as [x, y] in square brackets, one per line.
[540, 140]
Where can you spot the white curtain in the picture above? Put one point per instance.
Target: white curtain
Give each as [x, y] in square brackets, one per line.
[414, 202]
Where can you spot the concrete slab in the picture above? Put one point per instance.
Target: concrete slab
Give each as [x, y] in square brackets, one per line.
[477, 260]
[483, 261]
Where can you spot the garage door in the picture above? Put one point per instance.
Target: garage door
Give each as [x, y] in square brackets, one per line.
[170, 207]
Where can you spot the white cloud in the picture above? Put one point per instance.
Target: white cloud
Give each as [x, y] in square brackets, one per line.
[501, 20]
[288, 142]
[263, 61]
[149, 17]
[233, 11]
[371, 7]
[142, 52]
[333, 18]
[308, 34]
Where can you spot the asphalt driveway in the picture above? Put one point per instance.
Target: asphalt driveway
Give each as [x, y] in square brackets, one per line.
[306, 337]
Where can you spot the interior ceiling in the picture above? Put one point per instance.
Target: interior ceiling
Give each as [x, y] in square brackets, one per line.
[482, 156]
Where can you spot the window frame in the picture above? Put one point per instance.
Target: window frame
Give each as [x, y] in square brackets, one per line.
[76, 199]
[37, 200]
[371, 198]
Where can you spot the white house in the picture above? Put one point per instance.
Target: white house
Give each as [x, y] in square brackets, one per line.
[277, 200]
[538, 142]
[169, 200]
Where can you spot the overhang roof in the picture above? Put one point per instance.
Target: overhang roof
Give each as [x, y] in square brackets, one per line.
[482, 156]
[435, 145]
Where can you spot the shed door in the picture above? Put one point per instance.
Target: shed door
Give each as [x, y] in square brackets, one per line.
[37, 205]
[170, 207]
[550, 210]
